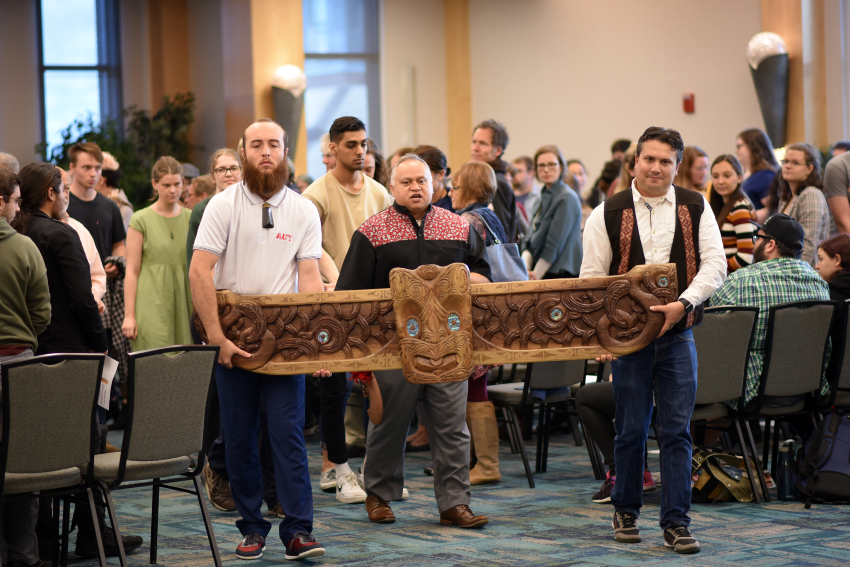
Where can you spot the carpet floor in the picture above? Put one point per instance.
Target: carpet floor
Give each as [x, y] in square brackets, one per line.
[552, 524]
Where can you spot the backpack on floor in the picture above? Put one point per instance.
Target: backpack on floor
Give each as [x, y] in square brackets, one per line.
[823, 465]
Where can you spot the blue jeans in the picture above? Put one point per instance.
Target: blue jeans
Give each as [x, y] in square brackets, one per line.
[666, 368]
[240, 393]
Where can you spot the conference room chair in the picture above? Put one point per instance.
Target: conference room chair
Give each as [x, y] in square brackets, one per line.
[723, 350]
[798, 335]
[838, 370]
[167, 393]
[49, 424]
[512, 397]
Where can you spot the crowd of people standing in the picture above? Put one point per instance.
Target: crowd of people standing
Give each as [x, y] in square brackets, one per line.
[84, 272]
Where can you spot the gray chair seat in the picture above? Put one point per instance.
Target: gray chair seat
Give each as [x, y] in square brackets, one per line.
[106, 468]
[29, 482]
[511, 394]
[710, 411]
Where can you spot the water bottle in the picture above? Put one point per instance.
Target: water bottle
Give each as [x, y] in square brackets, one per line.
[785, 472]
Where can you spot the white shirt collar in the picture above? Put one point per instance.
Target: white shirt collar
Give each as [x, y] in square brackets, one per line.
[670, 195]
[275, 201]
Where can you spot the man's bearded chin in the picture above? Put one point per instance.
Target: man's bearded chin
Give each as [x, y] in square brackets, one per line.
[758, 254]
[266, 184]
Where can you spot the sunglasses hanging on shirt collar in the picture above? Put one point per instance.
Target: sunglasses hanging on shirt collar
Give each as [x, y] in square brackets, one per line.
[268, 220]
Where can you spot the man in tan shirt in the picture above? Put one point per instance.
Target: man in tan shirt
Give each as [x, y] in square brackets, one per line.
[345, 198]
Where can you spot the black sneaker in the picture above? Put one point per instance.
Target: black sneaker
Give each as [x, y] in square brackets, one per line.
[87, 543]
[680, 539]
[604, 494]
[252, 546]
[303, 545]
[625, 529]
[39, 563]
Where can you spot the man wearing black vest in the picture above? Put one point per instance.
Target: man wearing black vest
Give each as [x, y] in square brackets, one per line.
[654, 223]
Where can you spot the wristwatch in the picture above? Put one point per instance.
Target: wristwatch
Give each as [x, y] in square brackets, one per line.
[688, 305]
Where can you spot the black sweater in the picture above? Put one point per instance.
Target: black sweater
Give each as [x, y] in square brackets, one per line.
[75, 324]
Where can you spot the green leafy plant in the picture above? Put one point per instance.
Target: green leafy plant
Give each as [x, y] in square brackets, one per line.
[146, 138]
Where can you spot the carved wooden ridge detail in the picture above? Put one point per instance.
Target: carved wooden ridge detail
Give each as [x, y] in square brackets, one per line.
[447, 324]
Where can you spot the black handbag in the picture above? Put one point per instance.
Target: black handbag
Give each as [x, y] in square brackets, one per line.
[506, 265]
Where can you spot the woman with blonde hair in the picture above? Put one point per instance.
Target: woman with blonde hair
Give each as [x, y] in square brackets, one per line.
[693, 171]
[157, 299]
[225, 170]
[474, 189]
[801, 197]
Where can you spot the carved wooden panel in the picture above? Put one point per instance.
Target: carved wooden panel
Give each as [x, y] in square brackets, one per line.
[344, 331]
[433, 309]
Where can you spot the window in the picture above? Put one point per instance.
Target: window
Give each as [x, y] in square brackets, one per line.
[79, 63]
[341, 64]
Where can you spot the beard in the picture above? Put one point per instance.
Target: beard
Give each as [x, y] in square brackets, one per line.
[265, 184]
[758, 253]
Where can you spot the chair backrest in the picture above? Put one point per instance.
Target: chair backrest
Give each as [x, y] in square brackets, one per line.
[556, 374]
[840, 360]
[797, 335]
[167, 396]
[49, 411]
[723, 347]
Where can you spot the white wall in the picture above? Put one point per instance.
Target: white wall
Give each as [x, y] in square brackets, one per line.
[20, 114]
[413, 39]
[581, 74]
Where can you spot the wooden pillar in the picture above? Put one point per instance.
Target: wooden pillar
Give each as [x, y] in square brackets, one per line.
[169, 49]
[277, 38]
[458, 80]
[801, 25]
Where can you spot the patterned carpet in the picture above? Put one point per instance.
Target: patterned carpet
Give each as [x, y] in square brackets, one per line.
[553, 524]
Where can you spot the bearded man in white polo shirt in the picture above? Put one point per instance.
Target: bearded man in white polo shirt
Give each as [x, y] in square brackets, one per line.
[261, 238]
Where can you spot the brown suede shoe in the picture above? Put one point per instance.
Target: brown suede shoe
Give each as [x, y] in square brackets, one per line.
[463, 517]
[218, 490]
[379, 510]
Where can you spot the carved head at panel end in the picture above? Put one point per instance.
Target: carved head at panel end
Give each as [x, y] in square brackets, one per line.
[433, 312]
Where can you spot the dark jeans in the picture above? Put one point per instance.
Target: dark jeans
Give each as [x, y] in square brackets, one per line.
[267, 460]
[240, 395]
[335, 391]
[667, 369]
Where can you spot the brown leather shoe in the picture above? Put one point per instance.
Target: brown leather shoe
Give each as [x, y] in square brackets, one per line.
[379, 510]
[463, 517]
[218, 490]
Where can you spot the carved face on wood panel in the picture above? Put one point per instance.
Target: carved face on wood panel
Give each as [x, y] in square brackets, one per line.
[433, 311]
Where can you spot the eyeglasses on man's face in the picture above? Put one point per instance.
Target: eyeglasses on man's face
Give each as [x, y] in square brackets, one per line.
[765, 236]
[542, 166]
[234, 169]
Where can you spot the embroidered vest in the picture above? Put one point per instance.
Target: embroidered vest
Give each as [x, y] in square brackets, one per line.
[628, 251]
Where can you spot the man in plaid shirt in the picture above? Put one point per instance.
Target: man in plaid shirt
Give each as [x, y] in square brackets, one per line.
[777, 276]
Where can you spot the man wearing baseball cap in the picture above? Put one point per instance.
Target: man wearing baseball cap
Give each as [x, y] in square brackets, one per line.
[777, 275]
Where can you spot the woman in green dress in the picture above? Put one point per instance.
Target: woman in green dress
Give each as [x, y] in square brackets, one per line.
[157, 299]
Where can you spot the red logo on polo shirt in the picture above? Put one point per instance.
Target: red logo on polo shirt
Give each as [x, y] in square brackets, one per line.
[284, 237]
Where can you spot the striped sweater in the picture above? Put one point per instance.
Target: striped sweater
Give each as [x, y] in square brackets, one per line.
[737, 234]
